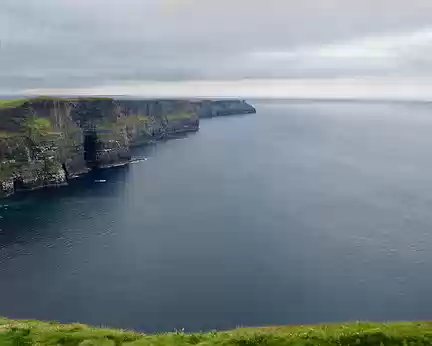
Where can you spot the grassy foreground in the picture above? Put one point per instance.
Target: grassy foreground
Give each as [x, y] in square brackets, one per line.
[21, 333]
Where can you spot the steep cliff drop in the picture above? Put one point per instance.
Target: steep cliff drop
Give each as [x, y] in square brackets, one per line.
[47, 141]
[90, 148]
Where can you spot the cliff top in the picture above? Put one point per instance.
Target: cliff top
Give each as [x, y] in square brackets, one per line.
[15, 103]
[7, 104]
[46, 334]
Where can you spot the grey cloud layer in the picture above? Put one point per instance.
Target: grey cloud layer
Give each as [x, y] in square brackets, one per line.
[73, 43]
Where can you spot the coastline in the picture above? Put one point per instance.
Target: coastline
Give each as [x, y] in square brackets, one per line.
[45, 141]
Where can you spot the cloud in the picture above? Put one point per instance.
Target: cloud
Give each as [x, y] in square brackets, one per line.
[401, 54]
[92, 43]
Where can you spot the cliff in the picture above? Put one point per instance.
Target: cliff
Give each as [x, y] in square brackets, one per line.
[216, 108]
[47, 141]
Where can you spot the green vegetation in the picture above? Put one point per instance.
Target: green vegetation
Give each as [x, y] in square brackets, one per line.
[6, 135]
[37, 127]
[6, 169]
[144, 118]
[70, 99]
[136, 120]
[183, 116]
[7, 104]
[41, 333]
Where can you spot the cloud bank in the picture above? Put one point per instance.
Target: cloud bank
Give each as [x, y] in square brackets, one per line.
[97, 45]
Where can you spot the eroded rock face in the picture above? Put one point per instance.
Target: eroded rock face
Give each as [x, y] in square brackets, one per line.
[44, 141]
[6, 188]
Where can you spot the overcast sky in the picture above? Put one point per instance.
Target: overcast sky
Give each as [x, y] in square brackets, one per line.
[119, 45]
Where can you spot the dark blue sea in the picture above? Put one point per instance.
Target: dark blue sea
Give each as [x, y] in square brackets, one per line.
[303, 213]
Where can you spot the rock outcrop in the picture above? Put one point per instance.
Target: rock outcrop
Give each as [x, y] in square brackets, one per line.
[45, 142]
[209, 109]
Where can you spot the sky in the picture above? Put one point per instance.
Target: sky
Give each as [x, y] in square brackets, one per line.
[269, 48]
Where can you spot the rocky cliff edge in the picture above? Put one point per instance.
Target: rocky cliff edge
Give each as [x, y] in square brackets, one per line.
[45, 141]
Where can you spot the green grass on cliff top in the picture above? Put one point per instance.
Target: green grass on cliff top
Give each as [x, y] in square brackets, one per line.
[7, 104]
[13, 333]
[184, 116]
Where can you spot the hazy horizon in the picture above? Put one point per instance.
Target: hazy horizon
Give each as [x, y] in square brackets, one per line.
[255, 89]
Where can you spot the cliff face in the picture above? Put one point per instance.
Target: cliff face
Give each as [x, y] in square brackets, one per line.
[209, 109]
[45, 142]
